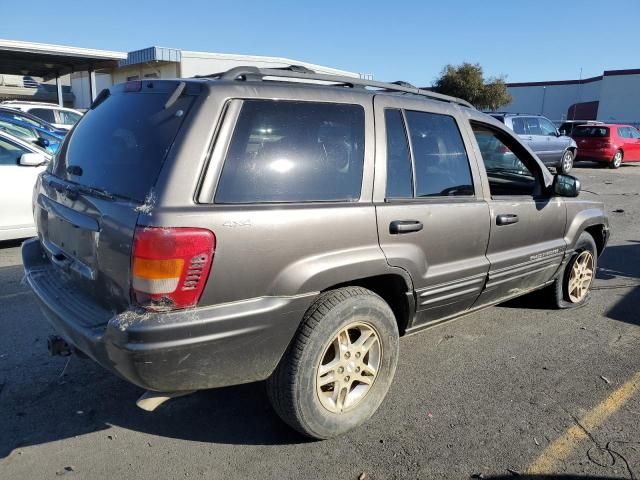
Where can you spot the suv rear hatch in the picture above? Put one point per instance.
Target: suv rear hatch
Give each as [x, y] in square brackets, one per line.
[88, 202]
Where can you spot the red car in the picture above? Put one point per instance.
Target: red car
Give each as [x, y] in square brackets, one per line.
[610, 143]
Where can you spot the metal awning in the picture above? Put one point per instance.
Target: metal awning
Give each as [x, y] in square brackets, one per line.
[52, 61]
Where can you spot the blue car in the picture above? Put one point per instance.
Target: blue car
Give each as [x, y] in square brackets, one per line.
[31, 129]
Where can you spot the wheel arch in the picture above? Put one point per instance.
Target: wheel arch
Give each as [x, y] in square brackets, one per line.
[393, 289]
[592, 221]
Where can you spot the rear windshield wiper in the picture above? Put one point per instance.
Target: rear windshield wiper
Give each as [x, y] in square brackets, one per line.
[96, 192]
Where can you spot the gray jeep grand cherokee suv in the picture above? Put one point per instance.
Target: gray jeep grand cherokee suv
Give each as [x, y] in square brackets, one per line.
[262, 225]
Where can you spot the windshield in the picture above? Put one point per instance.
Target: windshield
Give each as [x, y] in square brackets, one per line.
[121, 144]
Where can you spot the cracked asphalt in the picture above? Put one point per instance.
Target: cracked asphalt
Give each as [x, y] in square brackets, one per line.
[485, 396]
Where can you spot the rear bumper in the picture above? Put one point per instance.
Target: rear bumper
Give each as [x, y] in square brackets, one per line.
[191, 349]
[595, 155]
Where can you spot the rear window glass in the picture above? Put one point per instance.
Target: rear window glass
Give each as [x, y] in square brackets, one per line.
[120, 145]
[590, 132]
[284, 151]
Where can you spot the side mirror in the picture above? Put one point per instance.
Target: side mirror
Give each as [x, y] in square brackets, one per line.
[566, 185]
[32, 159]
[42, 142]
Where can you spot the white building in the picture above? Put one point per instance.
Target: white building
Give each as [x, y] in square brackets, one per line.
[613, 97]
[161, 62]
[44, 72]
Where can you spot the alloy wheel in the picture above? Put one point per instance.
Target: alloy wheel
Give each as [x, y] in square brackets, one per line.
[617, 159]
[581, 276]
[348, 367]
[567, 162]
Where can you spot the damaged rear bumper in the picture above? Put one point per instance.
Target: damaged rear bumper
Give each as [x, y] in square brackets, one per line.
[191, 349]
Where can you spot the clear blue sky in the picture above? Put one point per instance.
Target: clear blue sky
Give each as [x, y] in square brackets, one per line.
[412, 40]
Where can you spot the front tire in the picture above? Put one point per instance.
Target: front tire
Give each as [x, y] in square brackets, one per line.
[566, 164]
[616, 161]
[571, 288]
[339, 366]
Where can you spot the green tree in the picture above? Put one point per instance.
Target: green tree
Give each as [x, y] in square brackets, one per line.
[466, 81]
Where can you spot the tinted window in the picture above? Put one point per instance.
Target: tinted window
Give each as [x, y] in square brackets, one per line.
[586, 131]
[294, 152]
[10, 153]
[44, 113]
[507, 174]
[440, 159]
[547, 127]
[634, 132]
[399, 182]
[121, 145]
[518, 125]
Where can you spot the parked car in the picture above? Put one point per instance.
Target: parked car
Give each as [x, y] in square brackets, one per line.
[32, 120]
[540, 134]
[206, 232]
[59, 117]
[15, 123]
[566, 128]
[608, 143]
[20, 163]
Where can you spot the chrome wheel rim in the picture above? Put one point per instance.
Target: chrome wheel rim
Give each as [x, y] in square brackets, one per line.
[348, 367]
[567, 162]
[581, 276]
[617, 159]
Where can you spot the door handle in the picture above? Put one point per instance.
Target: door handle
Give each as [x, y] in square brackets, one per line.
[405, 226]
[506, 219]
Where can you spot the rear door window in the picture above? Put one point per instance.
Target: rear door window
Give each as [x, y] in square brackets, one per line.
[440, 158]
[289, 151]
[518, 125]
[120, 145]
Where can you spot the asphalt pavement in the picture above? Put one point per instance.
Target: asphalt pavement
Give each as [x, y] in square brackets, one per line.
[513, 389]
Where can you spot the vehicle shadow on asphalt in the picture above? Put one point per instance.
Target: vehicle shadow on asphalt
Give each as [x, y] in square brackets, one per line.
[620, 267]
[87, 399]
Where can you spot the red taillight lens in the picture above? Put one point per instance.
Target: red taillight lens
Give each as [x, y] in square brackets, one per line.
[170, 266]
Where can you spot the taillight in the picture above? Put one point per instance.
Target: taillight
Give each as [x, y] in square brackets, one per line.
[170, 266]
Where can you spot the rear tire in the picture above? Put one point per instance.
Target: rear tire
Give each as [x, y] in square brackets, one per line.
[571, 287]
[566, 164]
[616, 161]
[327, 383]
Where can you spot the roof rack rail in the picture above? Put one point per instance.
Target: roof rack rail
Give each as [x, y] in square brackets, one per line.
[249, 73]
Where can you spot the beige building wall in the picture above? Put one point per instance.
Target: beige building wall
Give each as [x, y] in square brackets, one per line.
[145, 70]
